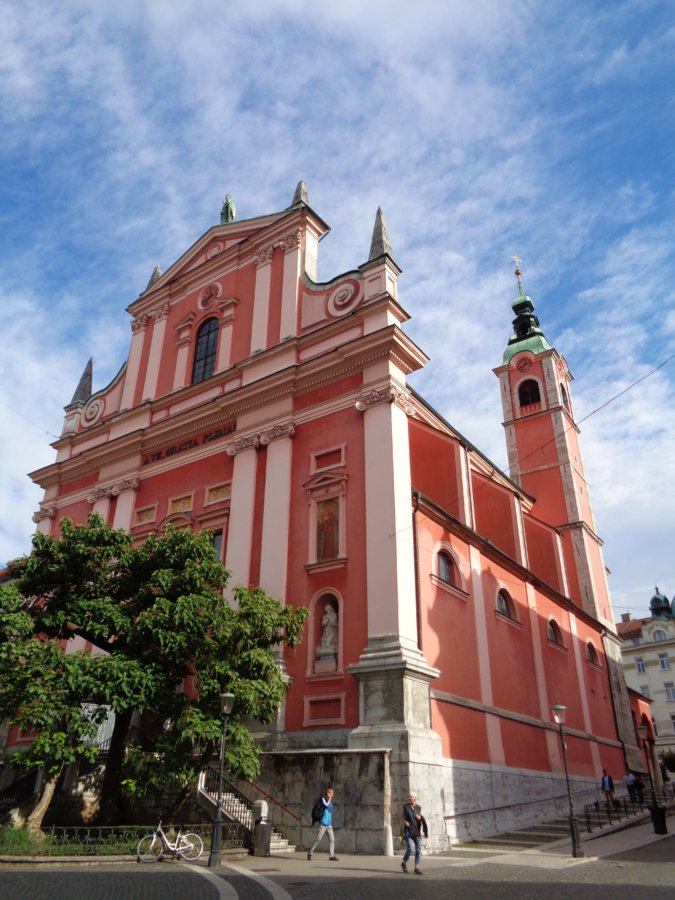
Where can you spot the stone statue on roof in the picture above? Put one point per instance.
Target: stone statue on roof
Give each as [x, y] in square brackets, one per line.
[228, 211]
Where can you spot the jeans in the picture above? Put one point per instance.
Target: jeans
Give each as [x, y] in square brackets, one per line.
[321, 830]
[413, 845]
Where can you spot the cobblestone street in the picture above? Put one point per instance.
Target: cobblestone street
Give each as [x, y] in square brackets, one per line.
[641, 872]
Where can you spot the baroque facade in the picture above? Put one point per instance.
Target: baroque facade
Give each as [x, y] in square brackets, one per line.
[450, 605]
[648, 649]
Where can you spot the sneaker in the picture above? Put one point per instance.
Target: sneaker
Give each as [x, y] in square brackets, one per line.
[418, 871]
[333, 859]
[404, 868]
[309, 855]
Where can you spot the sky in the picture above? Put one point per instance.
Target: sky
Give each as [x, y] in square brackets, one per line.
[538, 128]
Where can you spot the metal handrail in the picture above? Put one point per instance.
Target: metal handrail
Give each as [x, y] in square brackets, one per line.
[275, 801]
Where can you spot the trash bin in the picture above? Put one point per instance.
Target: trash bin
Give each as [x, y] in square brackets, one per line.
[262, 837]
[658, 814]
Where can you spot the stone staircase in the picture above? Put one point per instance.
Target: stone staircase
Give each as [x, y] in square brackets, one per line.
[236, 808]
[527, 838]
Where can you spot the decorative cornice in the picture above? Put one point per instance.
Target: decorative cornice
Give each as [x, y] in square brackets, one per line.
[160, 313]
[139, 324]
[45, 512]
[387, 394]
[261, 439]
[264, 256]
[291, 241]
[115, 489]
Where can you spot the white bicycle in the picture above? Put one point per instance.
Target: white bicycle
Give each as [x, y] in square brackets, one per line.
[186, 846]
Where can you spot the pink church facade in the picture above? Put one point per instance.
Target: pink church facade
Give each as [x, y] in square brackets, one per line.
[450, 605]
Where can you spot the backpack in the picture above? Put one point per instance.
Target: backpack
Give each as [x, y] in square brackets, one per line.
[317, 811]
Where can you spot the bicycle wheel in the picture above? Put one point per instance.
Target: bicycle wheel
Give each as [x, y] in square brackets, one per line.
[149, 849]
[191, 846]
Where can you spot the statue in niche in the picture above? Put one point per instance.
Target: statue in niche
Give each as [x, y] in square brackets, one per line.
[228, 211]
[327, 648]
[327, 529]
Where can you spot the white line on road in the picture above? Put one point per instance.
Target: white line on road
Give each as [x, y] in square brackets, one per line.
[225, 890]
[278, 893]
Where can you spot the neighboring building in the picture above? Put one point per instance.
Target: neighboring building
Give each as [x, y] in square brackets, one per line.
[648, 650]
[450, 605]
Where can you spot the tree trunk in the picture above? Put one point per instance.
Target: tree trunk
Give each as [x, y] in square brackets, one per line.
[109, 811]
[184, 795]
[37, 814]
[178, 804]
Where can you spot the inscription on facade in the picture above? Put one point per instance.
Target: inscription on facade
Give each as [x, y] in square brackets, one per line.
[190, 443]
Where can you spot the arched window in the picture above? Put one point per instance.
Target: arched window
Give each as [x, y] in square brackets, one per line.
[446, 568]
[591, 653]
[553, 633]
[205, 351]
[659, 635]
[565, 397]
[505, 605]
[528, 392]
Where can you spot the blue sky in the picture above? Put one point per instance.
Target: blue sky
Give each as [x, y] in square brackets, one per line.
[544, 128]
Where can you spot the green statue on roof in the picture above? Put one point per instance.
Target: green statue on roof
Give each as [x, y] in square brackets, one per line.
[229, 210]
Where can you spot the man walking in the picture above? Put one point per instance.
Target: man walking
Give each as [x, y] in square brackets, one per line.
[325, 824]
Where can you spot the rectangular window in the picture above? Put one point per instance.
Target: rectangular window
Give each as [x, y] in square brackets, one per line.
[639, 664]
[664, 662]
[218, 544]
[644, 689]
[672, 719]
[654, 729]
[670, 690]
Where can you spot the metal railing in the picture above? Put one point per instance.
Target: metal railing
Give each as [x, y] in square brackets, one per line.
[601, 813]
[92, 840]
[236, 806]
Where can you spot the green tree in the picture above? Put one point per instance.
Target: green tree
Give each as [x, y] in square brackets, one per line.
[44, 690]
[169, 645]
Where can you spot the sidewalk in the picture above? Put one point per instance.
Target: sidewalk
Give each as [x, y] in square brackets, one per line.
[556, 855]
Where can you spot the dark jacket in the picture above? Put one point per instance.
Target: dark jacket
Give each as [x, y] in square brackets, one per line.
[610, 783]
[413, 818]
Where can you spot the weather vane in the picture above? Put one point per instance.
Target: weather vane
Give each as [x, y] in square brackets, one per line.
[517, 260]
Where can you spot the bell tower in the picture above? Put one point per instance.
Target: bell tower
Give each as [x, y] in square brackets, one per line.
[545, 459]
[544, 453]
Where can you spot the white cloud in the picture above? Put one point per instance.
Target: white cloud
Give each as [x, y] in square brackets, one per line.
[482, 129]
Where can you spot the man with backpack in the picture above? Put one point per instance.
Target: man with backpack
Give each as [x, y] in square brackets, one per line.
[322, 817]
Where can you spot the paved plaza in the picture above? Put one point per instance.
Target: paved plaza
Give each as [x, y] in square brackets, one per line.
[631, 864]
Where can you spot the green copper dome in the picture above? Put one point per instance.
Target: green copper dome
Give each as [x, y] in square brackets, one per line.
[527, 335]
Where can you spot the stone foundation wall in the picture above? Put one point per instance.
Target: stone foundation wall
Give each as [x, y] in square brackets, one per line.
[461, 801]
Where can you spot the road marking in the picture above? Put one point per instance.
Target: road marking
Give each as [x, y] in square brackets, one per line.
[225, 890]
[278, 893]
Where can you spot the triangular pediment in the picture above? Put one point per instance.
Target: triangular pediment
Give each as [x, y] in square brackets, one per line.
[218, 240]
[325, 481]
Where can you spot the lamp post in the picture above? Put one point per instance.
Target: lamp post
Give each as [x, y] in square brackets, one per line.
[559, 718]
[226, 704]
[642, 733]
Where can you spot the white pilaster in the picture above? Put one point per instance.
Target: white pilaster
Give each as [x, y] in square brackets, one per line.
[138, 327]
[261, 299]
[289, 292]
[492, 724]
[155, 355]
[240, 532]
[227, 307]
[389, 547]
[124, 509]
[275, 527]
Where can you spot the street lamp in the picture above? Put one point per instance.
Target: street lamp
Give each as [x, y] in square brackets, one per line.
[226, 704]
[559, 718]
[643, 733]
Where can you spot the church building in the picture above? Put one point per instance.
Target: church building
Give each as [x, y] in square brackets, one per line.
[451, 606]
